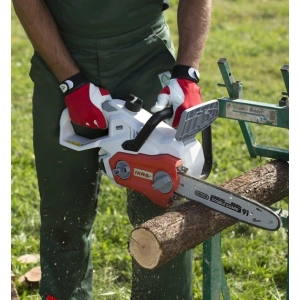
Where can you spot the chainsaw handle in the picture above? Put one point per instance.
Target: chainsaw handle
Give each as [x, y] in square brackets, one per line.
[136, 144]
[207, 151]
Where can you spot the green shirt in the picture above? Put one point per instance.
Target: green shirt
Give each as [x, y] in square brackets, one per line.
[98, 18]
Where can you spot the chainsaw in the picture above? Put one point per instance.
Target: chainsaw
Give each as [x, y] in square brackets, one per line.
[168, 166]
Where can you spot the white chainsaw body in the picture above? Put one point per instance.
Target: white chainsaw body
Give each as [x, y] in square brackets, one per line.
[125, 125]
[143, 153]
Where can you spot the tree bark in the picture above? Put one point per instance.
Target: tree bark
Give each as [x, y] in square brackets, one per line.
[179, 229]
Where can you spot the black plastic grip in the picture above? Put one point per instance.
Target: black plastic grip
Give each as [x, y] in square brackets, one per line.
[207, 151]
[136, 144]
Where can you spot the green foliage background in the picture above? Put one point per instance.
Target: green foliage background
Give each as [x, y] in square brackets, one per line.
[254, 37]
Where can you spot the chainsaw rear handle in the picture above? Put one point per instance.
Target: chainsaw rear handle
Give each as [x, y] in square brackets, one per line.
[69, 138]
[136, 143]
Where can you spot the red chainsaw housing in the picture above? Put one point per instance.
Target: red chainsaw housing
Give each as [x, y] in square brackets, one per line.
[143, 168]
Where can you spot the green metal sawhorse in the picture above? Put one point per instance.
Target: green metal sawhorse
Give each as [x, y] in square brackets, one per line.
[245, 112]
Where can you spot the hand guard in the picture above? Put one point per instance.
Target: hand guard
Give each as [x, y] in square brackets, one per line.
[182, 92]
[84, 102]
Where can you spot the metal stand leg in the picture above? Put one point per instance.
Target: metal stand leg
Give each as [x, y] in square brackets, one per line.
[214, 281]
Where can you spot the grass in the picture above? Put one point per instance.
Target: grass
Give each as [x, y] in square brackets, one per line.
[254, 37]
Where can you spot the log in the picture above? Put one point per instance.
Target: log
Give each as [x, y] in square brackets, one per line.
[181, 228]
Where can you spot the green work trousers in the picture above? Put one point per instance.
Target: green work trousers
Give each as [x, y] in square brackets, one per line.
[69, 180]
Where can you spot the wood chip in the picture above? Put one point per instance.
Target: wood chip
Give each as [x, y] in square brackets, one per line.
[29, 258]
[34, 275]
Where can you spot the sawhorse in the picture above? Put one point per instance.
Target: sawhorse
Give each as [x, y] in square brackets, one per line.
[244, 111]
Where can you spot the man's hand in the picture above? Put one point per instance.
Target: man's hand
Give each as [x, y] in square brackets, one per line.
[84, 101]
[182, 92]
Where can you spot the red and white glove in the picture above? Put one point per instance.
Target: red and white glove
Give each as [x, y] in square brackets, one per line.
[84, 101]
[182, 92]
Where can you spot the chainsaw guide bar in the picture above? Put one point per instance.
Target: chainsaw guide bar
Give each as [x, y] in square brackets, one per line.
[228, 203]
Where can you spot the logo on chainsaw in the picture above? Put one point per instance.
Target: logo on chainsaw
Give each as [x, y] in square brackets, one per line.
[143, 174]
[222, 202]
[202, 195]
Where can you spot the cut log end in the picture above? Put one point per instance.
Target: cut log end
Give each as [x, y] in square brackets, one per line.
[146, 249]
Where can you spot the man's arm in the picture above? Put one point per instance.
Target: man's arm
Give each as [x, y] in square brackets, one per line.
[42, 31]
[193, 19]
[83, 99]
[183, 92]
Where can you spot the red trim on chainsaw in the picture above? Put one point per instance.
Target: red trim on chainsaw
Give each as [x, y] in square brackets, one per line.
[143, 168]
[51, 298]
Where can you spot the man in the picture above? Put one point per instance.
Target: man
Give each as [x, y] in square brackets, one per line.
[87, 52]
